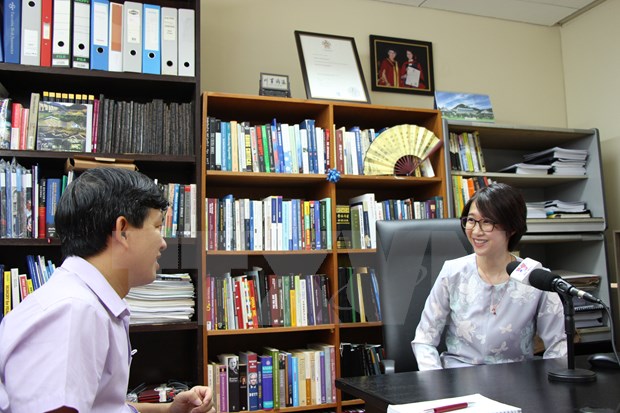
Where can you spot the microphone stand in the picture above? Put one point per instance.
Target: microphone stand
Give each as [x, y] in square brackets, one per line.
[570, 374]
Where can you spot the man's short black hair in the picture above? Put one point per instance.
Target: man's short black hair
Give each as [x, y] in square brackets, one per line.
[87, 211]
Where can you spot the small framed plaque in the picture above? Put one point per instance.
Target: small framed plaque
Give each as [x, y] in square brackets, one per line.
[274, 85]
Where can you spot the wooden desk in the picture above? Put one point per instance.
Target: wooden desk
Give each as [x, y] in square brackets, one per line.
[524, 385]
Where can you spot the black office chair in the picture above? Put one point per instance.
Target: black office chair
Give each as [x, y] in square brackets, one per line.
[410, 255]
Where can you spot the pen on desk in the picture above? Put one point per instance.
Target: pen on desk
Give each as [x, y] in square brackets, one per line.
[448, 408]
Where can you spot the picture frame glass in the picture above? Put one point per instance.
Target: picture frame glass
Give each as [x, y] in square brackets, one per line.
[401, 65]
[331, 67]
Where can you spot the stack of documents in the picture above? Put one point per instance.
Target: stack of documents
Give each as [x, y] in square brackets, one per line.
[563, 209]
[563, 161]
[557, 153]
[527, 169]
[568, 167]
[536, 210]
[472, 403]
[168, 299]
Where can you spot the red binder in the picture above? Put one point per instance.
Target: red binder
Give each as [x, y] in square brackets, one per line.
[46, 32]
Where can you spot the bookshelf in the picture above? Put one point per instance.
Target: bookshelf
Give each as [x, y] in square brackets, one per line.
[571, 244]
[258, 185]
[165, 351]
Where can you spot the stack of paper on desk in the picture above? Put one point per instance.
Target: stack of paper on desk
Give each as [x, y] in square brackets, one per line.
[168, 299]
[479, 404]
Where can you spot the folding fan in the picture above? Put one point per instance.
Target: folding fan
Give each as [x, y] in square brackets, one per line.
[400, 150]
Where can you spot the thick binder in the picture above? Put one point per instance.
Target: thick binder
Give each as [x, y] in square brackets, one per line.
[132, 37]
[99, 34]
[46, 32]
[187, 30]
[11, 33]
[151, 44]
[61, 33]
[31, 33]
[169, 42]
[115, 52]
[81, 34]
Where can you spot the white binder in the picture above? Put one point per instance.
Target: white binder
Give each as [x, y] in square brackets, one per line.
[187, 32]
[132, 37]
[115, 51]
[169, 41]
[61, 34]
[31, 33]
[81, 34]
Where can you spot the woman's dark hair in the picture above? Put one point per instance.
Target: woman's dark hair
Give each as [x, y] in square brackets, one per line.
[503, 205]
[87, 211]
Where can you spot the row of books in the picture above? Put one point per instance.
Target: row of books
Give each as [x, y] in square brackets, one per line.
[16, 284]
[465, 152]
[168, 299]
[99, 35]
[28, 202]
[180, 219]
[464, 188]
[270, 224]
[358, 295]
[277, 147]
[273, 379]
[82, 123]
[360, 359]
[364, 211]
[249, 299]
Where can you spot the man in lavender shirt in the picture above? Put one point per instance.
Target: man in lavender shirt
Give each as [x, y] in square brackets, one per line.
[66, 347]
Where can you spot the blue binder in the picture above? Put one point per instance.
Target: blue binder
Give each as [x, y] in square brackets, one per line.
[99, 34]
[151, 39]
[11, 31]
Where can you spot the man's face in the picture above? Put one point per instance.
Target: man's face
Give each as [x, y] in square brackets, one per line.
[146, 245]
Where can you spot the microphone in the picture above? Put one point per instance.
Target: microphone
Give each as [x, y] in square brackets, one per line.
[520, 271]
[531, 274]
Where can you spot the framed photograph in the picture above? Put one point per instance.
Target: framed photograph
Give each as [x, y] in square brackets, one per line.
[331, 67]
[274, 85]
[401, 65]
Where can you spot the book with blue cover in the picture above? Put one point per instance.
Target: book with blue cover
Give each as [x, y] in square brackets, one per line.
[266, 363]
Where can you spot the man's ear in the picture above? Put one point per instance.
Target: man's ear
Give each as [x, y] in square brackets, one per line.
[120, 229]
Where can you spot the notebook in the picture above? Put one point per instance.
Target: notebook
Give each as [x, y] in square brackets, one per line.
[476, 403]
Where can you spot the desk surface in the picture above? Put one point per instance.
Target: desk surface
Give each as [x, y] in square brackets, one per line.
[524, 385]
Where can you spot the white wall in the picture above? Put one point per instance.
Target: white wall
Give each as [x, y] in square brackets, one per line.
[535, 75]
[591, 61]
[518, 65]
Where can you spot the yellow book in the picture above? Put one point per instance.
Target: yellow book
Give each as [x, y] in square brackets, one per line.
[29, 285]
[293, 297]
[7, 292]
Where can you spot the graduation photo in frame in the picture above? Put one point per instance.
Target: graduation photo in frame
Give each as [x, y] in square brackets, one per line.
[401, 65]
[331, 67]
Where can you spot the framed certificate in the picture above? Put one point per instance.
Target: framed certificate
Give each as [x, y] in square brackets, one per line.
[331, 67]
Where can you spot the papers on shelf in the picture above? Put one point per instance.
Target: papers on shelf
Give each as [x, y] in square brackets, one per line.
[561, 160]
[480, 404]
[558, 153]
[170, 298]
[527, 169]
[536, 210]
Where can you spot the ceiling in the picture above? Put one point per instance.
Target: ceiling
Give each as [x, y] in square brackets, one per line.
[546, 13]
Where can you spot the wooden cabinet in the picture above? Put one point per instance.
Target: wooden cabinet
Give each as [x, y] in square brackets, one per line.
[570, 244]
[164, 351]
[328, 115]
